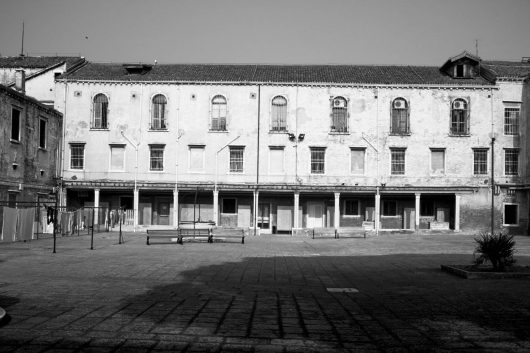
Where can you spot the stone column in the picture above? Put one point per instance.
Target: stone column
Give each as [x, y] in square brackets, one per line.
[295, 211]
[216, 207]
[417, 211]
[336, 214]
[256, 207]
[457, 213]
[176, 208]
[377, 213]
[96, 205]
[135, 206]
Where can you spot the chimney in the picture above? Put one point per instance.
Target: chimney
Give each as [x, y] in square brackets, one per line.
[20, 80]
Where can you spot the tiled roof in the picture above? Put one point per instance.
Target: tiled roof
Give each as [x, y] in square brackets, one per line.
[510, 69]
[37, 62]
[23, 97]
[325, 74]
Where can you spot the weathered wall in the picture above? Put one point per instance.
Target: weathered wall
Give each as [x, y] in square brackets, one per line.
[36, 166]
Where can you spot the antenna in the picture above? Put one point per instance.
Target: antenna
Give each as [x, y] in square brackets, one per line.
[22, 49]
[476, 47]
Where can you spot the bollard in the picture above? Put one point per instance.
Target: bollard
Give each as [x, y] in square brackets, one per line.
[92, 237]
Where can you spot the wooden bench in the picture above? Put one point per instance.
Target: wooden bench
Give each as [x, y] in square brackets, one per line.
[162, 234]
[179, 234]
[194, 234]
[224, 233]
[324, 232]
[350, 232]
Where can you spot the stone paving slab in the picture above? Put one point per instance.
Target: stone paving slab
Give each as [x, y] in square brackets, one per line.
[269, 295]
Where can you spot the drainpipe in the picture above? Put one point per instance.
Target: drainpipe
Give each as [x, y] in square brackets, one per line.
[256, 206]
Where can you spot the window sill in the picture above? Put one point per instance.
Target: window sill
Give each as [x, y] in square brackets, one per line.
[459, 135]
[338, 133]
[284, 132]
[76, 170]
[218, 131]
[396, 216]
[156, 171]
[510, 225]
[158, 130]
[99, 129]
[351, 216]
[14, 141]
[400, 134]
[43, 149]
[235, 173]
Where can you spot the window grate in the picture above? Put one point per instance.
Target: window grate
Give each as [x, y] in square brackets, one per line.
[236, 159]
[397, 161]
[156, 158]
[480, 161]
[511, 121]
[77, 156]
[318, 156]
[511, 161]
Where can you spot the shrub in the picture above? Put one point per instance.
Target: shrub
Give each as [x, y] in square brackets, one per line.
[498, 249]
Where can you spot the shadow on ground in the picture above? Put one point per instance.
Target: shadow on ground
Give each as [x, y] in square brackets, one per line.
[401, 300]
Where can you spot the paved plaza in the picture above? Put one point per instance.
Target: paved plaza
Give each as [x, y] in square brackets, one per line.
[272, 294]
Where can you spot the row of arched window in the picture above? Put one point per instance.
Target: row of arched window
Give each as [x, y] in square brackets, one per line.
[400, 114]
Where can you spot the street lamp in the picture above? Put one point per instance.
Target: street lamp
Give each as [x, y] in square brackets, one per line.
[492, 136]
[135, 146]
[216, 202]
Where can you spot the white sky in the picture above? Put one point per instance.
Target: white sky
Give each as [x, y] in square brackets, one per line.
[415, 32]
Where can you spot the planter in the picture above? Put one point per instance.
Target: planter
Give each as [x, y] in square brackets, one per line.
[477, 272]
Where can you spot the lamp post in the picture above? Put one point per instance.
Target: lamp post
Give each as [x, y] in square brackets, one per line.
[492, 135]
[216, 205]
[135, 146]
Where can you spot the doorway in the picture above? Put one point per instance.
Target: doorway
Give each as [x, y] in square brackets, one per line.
[264, 217]
[315, 213]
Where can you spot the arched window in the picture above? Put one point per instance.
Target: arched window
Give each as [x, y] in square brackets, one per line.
[279, 114]
[218, 122]
[101, 110]
[459, 117]
[400, 117]
[158, 113]
[339, 114]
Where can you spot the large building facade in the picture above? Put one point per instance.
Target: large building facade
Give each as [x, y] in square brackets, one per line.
[282, 148]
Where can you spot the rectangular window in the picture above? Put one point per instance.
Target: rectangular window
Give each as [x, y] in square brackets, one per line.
[389, 208]
[229, 206]
[318, 160]
[117, 158]
[156, 157]
[511, 161]
[351, 208]
[77, 156]
[480, 161]
[15, 124]
[510, 215]
[437, 161]
[427, 208]
[12, 199]
[357, 160]
[511, 120]
[397, 161]
[196, 158]
[276, 158]
[236, 159]
[42, 133]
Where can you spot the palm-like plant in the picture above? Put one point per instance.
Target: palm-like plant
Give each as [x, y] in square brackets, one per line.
[495, 248]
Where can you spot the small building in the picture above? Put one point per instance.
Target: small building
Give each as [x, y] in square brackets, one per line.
[30, 147]
[40, 73]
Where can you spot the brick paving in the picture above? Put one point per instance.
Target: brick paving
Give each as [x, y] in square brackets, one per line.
[268, 295]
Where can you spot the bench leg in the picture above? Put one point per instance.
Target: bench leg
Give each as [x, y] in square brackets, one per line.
[243, 240]
[179, 240]
[148, 240]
